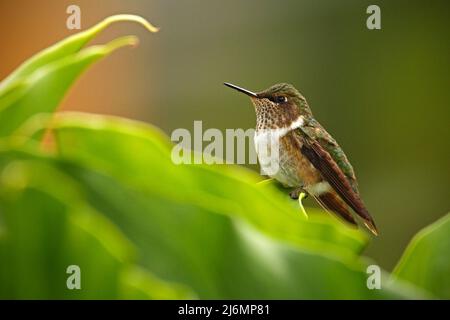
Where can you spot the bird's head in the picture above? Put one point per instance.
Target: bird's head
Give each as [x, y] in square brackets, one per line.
[278, 106]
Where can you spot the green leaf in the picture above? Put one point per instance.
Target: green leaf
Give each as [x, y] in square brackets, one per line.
[137, 283]
[41, 82]
[44, 229]
[426, 262]
[209, 229]
[95, 140]
[67, 47]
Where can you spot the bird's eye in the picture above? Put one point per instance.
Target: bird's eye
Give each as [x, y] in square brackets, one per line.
[280, 99]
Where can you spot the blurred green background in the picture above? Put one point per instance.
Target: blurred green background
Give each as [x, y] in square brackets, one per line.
[383, 94]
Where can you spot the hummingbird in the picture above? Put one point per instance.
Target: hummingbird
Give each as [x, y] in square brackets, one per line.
[309, 159]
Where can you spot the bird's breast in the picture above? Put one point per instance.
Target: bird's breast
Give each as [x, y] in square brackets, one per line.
[280, 158]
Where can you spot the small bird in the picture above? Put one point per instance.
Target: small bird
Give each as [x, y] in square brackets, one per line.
[308, 158]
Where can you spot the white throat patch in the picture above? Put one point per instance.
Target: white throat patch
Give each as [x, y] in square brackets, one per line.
[267, 146]
[280, 132]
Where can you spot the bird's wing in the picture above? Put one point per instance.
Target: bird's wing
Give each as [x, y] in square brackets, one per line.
[322, 160]
[327, 142]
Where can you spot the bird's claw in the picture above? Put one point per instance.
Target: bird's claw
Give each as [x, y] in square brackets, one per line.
[294, 194]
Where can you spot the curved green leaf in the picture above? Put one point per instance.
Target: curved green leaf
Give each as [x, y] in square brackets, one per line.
[110, 144]
[426, 262]
[67, 47]
[197, 225]
[215, 250]
[40, 83]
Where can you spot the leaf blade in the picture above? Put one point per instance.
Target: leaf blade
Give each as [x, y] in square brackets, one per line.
[425, 261]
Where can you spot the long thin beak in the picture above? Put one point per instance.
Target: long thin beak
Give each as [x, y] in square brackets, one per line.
[245, 91]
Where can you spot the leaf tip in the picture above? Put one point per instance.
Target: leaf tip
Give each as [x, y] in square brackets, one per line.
[132, 18]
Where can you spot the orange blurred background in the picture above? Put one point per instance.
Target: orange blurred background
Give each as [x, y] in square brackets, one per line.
[118, 85]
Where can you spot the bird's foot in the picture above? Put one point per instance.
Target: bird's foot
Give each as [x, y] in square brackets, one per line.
[294, 194]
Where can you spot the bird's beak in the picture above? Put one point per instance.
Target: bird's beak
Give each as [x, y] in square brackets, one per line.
[245, 91]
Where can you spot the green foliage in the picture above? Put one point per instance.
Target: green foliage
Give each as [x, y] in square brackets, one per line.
[102, 193]
[47, 228]
[425, 262]
[48, 75]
